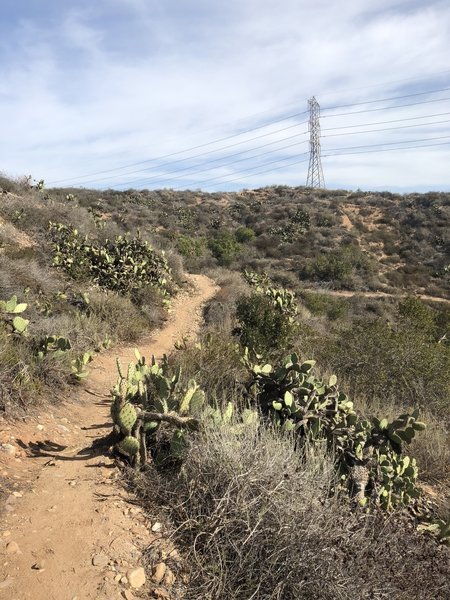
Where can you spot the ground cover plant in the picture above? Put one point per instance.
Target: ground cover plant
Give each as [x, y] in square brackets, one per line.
[69, 288]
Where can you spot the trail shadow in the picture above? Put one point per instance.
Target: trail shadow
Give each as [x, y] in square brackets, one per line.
[50, 449]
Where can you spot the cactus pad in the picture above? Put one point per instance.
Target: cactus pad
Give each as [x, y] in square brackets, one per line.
[129, 445]
[127, 418]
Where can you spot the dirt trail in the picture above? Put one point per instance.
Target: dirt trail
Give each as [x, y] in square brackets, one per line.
[349, 294]
[75, 513]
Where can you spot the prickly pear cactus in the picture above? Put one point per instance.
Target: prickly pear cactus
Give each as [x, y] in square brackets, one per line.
[129, 445]
[127, 418]
[369, 453]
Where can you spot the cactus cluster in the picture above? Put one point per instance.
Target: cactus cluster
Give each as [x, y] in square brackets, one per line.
[147, 398]
[122, 265]
[281, 298]
[54, 344]
[10, 311]
[369, 453]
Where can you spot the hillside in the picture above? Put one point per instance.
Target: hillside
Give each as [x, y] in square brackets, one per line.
[338, 239]
[322, 354]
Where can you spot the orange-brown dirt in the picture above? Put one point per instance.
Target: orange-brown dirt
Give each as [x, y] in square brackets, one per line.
[69, 530]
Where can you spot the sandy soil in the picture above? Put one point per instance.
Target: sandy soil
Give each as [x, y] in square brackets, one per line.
[69, 530]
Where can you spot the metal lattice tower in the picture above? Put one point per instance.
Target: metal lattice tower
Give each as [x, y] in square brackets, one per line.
[315, 174]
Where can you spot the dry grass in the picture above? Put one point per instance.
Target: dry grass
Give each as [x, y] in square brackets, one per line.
[257, 520]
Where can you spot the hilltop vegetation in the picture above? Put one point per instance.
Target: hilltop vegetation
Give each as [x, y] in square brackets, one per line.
[288, 464]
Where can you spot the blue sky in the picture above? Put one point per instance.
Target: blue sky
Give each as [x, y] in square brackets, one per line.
[98, 93]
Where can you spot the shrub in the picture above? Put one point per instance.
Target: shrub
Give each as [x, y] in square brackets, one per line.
[263, 327]
[191, 247]
[224, 248]
[244, 235]
[258, 519]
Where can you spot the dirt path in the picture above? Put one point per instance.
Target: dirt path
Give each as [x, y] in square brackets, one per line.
[349, 294]
[74, 534]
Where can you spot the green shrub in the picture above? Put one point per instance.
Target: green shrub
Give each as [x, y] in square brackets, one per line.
[263, 327]
[191, 247]
[244, 235]
[224, 248]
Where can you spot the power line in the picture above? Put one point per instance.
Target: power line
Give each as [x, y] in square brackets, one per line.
[220, 180]
[272, 162]
[388, 149]
[226, 164]
[156, 179]
[385, 128]
[186, 149]
[385, 122]
[214, 151]
[387, 99]
[439, 137]
[257, 137]
[359, 112]
[231, 136]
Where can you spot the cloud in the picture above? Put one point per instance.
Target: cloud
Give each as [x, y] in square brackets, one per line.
[96, 86]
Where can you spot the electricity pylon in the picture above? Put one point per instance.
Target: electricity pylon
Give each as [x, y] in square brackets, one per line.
[315, 174]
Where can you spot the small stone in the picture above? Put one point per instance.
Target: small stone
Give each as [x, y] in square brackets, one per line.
[169, 578]
[128, 595]
[158, 572]
[39, 566]
[6, 533]
[118, 577]
[12, 548]
[8, 449]
[156, 527]
[40, 427]
[124, 580]
[136, 577]
[17, 494]
[72, 483]
[100, 560]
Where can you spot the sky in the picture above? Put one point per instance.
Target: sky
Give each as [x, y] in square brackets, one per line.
[213, 95]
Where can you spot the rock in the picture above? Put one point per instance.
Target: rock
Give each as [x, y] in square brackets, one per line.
[12, 548]
[136, 578]
[39, 566]
[128, 595]
[158, 572]
[8, 449]
[156, 527]
[40, 427]
[100, 560]
[169, 578]
[6, 533]
[63, 428]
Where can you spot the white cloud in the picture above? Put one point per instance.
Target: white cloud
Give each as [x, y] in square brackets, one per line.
[119, 82]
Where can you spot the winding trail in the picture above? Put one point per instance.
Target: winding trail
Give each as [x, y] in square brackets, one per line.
[350, 294]
[69, 529]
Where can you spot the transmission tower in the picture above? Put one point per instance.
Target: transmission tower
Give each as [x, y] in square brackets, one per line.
[315, 174]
